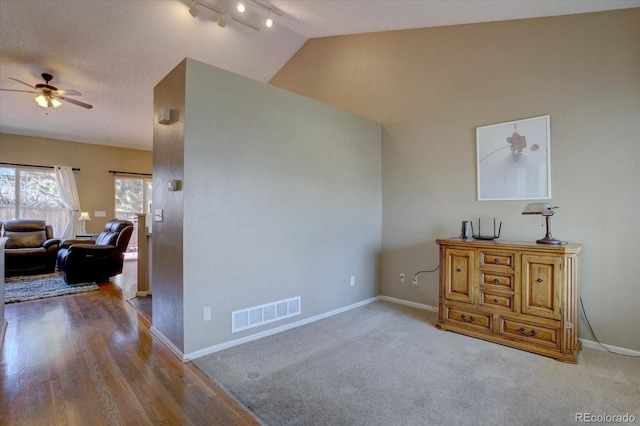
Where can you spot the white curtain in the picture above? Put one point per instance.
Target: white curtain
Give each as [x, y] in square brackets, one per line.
[69, 194]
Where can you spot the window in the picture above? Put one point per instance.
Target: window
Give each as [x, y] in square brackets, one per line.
[27, 193]
[133, 195]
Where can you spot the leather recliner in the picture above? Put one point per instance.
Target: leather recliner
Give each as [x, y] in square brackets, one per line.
[30, 248]
[95, 261]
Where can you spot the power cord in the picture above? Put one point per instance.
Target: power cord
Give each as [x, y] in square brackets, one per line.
[584, 314]
[414, 280]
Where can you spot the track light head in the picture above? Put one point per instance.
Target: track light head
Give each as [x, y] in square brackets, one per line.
[194, 9]
[222, 20]
[240, 7]
[268, 22]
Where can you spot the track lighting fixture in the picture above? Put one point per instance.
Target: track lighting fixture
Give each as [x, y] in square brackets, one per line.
[248, 20]
[222, 20]
[194, 9]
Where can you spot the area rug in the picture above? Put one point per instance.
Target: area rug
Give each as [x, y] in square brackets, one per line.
[386, 364]
[21, 289]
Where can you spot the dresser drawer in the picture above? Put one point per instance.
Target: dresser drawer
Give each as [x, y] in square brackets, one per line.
[499, 301]
[497, 280]
[525, 331]
[469, 318]
[497, 259]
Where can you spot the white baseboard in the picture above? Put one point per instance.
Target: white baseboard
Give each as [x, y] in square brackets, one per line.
[222, 346]
[173, 348]
[143, 293]
[408, 303]
[236, 342]
[622, 351]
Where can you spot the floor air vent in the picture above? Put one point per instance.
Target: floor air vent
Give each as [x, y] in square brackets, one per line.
[264, 314]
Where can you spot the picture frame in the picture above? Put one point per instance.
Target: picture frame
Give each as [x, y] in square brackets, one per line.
[514, 160]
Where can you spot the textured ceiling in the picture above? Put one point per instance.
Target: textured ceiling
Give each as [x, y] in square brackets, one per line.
[114, 52]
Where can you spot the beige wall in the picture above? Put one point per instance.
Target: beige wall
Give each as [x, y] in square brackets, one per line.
[281, 198]
[167, 241]
[430, 88]
[95, 183]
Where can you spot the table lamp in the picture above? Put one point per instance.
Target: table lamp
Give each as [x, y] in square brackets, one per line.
[545, 210]
[84, 217]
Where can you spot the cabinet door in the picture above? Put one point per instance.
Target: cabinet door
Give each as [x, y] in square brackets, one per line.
[459, 278]
[541, 284]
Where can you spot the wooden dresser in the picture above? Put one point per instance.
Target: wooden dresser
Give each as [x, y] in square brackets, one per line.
[519, 294]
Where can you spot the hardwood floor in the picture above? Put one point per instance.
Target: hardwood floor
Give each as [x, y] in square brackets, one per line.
[89, 359]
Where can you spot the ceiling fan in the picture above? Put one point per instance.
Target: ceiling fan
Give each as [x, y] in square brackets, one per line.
[48, 95]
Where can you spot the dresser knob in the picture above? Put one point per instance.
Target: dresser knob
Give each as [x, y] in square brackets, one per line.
[463, 317]
[458, 270]
[495, 300]
[539, 280]
[496, 281]
[496, 260]
[523, 331]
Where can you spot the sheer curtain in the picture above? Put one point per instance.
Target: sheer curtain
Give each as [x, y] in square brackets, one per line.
[69, 194]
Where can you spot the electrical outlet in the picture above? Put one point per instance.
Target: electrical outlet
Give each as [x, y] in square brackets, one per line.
[206, 313]
[353, 280]
[401, 278]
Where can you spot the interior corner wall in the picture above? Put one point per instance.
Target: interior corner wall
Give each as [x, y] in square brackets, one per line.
[167, 239]
[282, 198]
[430, 89]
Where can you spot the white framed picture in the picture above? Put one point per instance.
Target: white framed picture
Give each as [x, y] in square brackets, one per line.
[514, 160]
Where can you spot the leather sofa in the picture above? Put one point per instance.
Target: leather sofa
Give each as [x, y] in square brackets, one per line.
[95, 261]
[30, 248]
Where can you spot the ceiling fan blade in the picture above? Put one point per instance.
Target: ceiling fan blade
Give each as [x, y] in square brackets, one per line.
[66, 92]
[14, 90]
[22, 82]
[73, 101]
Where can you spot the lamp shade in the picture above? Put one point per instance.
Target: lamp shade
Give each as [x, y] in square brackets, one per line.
[536, 208]
[46, 101]
[84, 216]
[546, 210]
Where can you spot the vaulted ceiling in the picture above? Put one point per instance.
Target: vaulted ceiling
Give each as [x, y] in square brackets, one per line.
[114, 52]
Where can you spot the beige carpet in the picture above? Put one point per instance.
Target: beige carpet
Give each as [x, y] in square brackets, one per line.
[387, 364]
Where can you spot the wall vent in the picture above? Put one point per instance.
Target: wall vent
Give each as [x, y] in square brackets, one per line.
[264, 314]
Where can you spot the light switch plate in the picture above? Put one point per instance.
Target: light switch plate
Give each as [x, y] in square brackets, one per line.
[157, 215]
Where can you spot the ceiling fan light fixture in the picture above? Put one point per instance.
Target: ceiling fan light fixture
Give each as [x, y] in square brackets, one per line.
[42, 101]
[46, 101]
